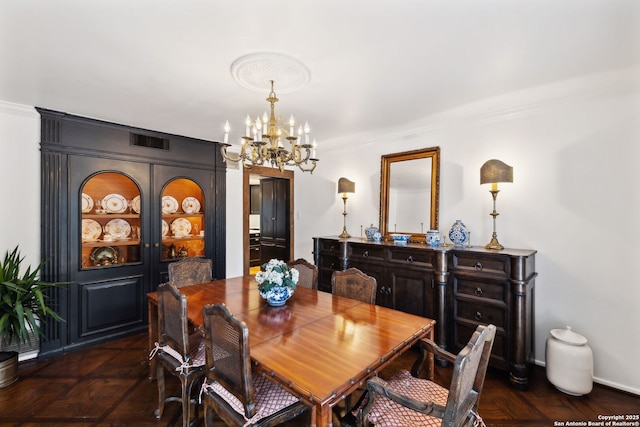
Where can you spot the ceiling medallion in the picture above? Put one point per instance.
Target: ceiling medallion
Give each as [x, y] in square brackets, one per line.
[255, 71]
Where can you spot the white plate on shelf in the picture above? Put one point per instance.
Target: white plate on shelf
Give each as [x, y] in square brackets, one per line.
[181, 227]
[118, 228]
[191, 205]
[135, 204]
[165, 228]
[169, 205]
[114, 203]
[87, 203]
[91, 230]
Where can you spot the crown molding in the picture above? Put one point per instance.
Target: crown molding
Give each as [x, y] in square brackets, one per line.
[18, 109]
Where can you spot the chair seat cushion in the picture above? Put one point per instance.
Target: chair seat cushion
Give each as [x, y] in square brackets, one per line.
[269, 398]
[196, 352]
[386, 413]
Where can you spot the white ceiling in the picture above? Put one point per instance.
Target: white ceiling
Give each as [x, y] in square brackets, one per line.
[374, 64]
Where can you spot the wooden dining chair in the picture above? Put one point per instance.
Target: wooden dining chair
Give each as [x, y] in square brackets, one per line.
[406, 400]
[353, 283]
[176, 351]
[231, 389]
[189, 271]
[308, 273]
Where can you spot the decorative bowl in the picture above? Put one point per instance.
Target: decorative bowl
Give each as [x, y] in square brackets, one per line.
[277, 296]
[400, 239]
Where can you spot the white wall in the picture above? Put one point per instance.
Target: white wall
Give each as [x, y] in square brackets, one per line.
[20, 181]
[575, 199]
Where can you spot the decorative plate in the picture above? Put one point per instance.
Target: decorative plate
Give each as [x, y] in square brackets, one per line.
[87, 203]
[165, 228]
[105, 255]
[135, 204]
[169, 205]
[91, 230]
[118, 228]
[114, 203]
[181, 227]
[191, 205]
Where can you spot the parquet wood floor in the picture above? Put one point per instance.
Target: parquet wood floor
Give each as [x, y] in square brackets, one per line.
[107, 385]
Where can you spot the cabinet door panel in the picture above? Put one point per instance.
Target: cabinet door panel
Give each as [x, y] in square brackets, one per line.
[413, 291]
[111, 304]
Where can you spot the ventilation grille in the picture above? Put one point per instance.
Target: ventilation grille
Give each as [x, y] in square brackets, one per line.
[149, 141]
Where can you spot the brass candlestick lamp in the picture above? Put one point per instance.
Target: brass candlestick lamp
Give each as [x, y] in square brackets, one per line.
[345, 186]
[492, 172]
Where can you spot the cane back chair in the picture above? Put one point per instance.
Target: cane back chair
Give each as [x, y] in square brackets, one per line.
[178, 352]
[239, 396]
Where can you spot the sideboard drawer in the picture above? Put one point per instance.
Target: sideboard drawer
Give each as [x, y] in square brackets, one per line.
[369, 252]
[495, 264]
[489, 289]
[331, 246]
[480, 313]
[410, 256]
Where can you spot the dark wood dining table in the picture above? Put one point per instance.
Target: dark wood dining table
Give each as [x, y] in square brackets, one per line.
[319, 346]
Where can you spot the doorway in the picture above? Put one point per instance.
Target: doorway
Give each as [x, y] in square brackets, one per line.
[249, 177]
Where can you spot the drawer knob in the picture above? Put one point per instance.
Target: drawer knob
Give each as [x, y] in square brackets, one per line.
[479, 292]
[382, 290]
[389, 290]
[478, 266]
[333, 266]
[410, 259]
[478, 316]
[365, 254]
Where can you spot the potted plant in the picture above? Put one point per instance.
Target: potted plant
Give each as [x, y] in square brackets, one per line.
[277, 282]
[22, 307]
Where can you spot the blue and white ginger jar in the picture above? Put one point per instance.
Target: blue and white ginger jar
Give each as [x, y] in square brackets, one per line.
[371, 231]
[433, 238]
[458, 234]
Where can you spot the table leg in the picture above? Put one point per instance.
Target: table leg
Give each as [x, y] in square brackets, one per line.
[324, 416]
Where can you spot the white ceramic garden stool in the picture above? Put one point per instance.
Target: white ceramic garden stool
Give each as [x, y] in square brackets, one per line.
[569, 362]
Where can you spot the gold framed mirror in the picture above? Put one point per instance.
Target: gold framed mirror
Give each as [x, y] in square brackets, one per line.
[410, 192]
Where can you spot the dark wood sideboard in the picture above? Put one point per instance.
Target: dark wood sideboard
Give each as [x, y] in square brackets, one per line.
[459, 287]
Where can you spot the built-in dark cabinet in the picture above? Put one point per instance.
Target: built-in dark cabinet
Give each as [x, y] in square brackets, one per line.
[458, 287]
[254, 199]
[274, 219]
[119, 205]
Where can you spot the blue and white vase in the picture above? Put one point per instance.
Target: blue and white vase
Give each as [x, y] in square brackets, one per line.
[458, 234]
[371, 231]
[277, 295]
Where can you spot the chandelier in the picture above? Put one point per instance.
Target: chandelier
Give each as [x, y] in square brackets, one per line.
[264, 142]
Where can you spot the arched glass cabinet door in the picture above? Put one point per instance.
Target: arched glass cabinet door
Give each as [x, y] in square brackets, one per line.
[110, 221]
[183, 220]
